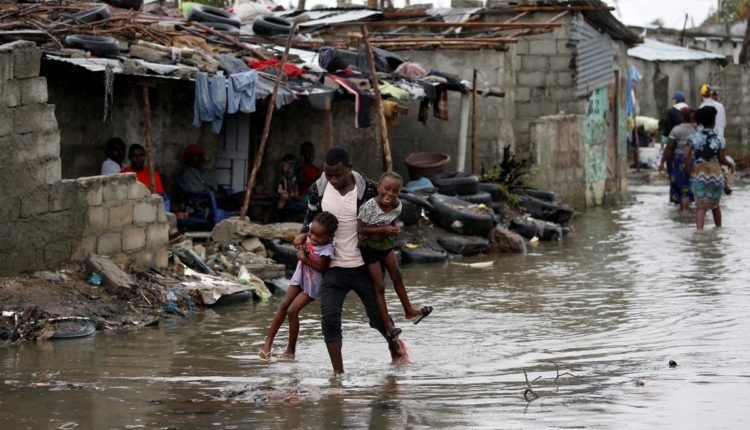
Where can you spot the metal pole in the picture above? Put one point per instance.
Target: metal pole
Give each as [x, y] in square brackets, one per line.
[462, 132]
[267, 125]
[387, 160]
[149, 139]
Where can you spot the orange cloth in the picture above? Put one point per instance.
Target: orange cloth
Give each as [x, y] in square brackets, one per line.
[143, 178]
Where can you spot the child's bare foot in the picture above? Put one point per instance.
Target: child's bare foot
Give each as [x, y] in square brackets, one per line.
[418, 315]
[286, 356]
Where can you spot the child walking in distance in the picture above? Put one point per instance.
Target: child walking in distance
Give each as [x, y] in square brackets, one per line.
[314, 258]
[377, 229]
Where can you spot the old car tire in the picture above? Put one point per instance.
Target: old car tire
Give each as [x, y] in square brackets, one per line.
[456, 215]
[238, 297]
[466, 246]
[417, 199]
[90, 15]
[125, 4]
[481, 197]
[456, 184]
[410, 213]
[99, 46]
[202, 13]
[72, 328]
[545, 210]
[543, 230]
[423, 254]
[271, 26]
[491, 188]
[284, 253]
[547, 196]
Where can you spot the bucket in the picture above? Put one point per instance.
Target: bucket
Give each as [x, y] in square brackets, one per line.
[426, 164]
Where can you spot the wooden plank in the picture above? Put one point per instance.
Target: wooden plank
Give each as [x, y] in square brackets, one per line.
[387, 159]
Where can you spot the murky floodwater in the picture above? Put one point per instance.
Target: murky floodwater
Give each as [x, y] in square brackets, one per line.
[613, 304]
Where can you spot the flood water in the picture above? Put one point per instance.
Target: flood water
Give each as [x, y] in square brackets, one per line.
[632, 289]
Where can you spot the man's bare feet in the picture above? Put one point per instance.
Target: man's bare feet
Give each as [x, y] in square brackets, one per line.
[399, 352]
[286, 356]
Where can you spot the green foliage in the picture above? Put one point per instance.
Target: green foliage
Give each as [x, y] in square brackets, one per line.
[509, 174]
[731, 10]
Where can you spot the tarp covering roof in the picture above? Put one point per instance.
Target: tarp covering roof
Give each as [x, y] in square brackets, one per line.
[654, 50]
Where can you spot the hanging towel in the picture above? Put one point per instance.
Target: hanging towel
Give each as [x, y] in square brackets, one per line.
[218, 90]
[264, 88]
[361, 102]
[241, 92]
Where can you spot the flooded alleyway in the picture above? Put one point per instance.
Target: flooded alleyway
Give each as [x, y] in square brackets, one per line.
[611, 305]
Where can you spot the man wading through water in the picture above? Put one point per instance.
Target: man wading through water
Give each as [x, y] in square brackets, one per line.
[341, 191]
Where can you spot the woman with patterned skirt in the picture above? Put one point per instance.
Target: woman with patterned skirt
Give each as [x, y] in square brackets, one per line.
[707, 180]
[674, 158]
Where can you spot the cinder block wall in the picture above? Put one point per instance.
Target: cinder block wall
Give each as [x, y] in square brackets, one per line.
[544, 81]
[734, 93]
[45, 221]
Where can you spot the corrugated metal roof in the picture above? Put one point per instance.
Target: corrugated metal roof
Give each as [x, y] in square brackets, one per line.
[353, 15]
[654, 50]
[453, 14]
[594, 59]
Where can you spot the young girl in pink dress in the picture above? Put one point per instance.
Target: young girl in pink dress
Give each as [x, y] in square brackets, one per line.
[314, 258]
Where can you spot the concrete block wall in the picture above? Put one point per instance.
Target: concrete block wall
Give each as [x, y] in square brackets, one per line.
[734, 83]
[122, 219]
[544, 81]
[46, 221]
[561, 162]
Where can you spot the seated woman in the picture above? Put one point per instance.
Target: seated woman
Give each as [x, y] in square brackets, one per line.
[137, 156]
[197, 178]
[115, 156]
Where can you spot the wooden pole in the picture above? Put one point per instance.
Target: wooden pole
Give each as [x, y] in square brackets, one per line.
[267, 125]
[387, 160]
[745, 50]
[149, 139]
[474, 124]
[301, 5]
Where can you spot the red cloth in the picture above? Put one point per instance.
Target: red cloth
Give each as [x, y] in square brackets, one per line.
[143, 178]
[289, 69]
[308, 174]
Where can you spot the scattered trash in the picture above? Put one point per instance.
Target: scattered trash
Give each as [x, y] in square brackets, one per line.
[478, 265]
[95, 279]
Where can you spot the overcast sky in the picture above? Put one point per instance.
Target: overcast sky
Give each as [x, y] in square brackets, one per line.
[672, 12]
[632, 12]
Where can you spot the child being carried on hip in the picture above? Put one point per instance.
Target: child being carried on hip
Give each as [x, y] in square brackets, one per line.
[314, 258]
[377, 229]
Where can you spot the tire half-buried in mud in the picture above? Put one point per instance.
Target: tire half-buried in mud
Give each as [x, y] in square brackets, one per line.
[464, 245]
[423, 254]
[461, 217]
[284, 253]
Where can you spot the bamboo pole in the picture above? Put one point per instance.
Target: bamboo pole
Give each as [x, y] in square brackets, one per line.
[267, 125]
[474, 124]
[387, 160]
[149, 139]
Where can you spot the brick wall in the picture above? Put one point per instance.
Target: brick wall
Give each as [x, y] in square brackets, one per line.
[45, 221]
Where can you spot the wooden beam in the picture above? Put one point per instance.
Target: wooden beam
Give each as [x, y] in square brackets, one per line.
[510, 25]
[467, 40]
[387, 159]
[266, 125]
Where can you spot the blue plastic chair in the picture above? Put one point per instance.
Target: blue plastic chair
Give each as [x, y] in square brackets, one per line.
[204, 202]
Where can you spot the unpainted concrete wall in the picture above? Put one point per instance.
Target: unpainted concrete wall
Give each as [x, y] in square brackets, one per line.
[561, 160]
[544, 80]
[45, 221]
[735, 93]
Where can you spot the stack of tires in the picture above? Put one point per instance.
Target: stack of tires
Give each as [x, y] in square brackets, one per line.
[548, 219]
[463, 186]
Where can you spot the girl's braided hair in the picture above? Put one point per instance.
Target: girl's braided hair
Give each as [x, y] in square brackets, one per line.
[328, 221]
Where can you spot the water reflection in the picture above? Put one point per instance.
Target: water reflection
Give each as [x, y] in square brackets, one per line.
[632, 289]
